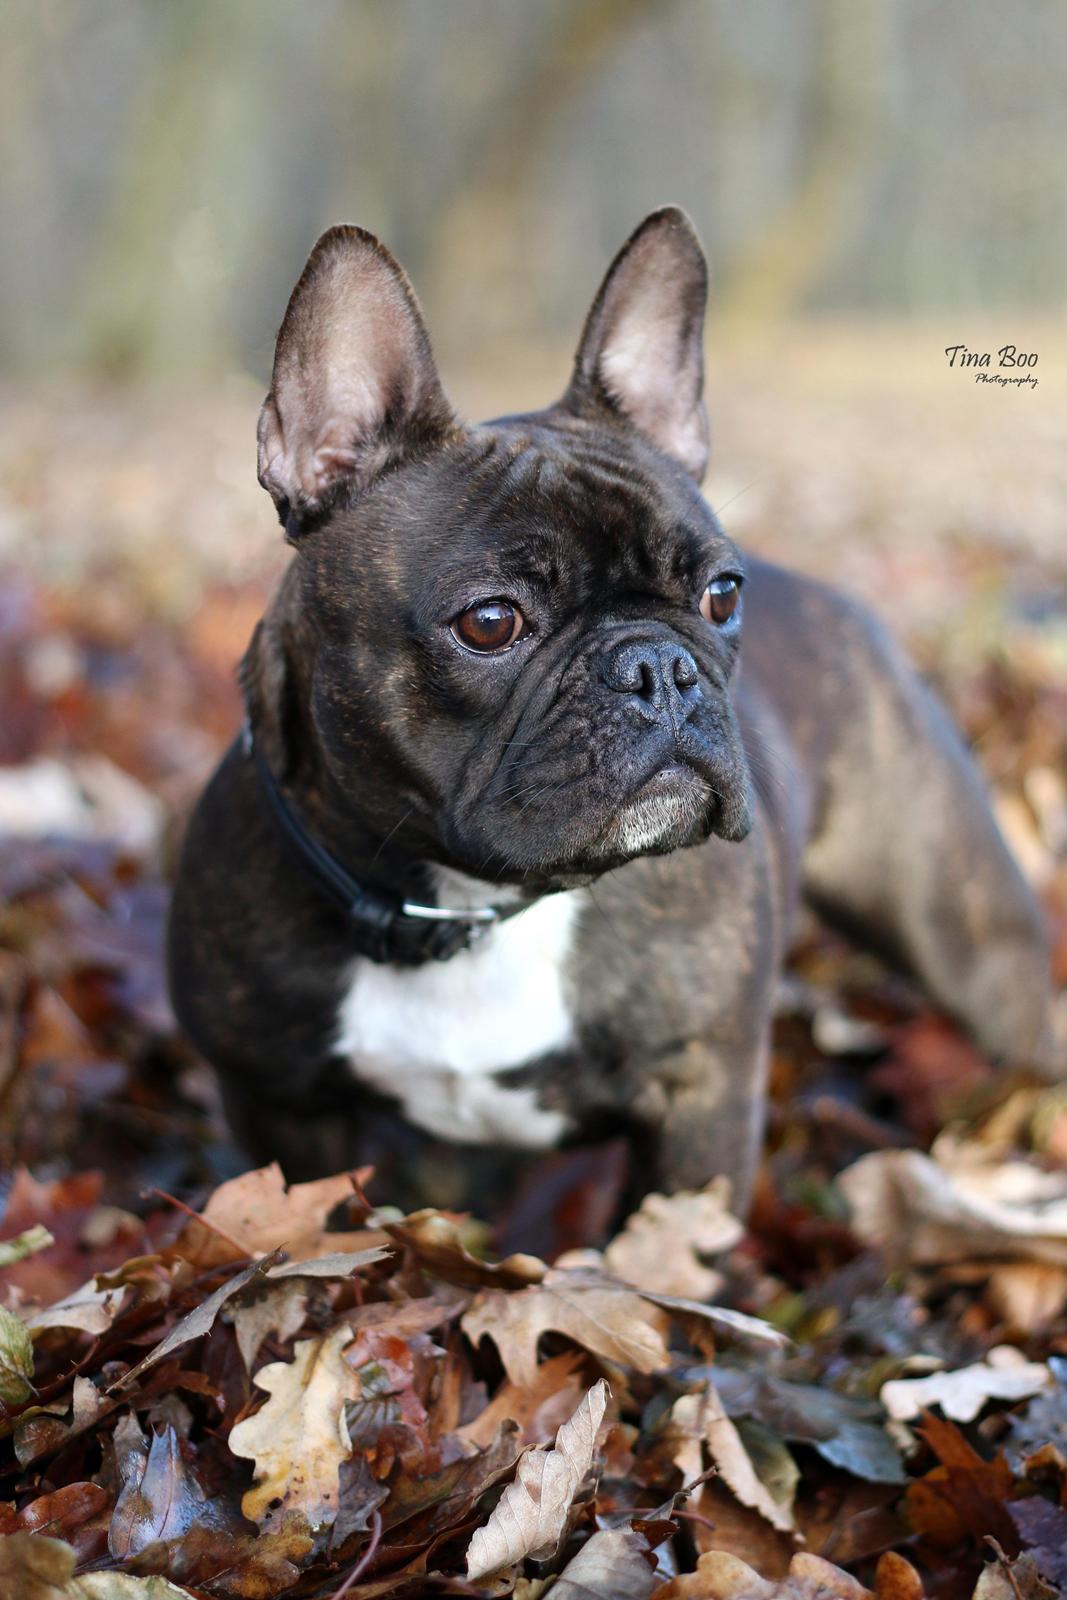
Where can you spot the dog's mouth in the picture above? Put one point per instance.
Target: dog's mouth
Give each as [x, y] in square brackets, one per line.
[673, 807]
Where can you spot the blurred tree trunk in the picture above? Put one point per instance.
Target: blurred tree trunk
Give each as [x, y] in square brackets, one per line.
[484, 208]
[775, 272]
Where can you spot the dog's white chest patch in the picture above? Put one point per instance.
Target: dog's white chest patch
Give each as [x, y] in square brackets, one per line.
[435, 1035]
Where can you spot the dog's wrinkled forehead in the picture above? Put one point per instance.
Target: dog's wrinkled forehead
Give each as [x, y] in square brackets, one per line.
[356, 415]
[544, 500]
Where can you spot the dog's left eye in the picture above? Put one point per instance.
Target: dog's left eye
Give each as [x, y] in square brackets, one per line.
[720, 600]
[489, 626]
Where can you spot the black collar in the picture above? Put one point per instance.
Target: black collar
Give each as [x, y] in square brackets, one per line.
[385, 927]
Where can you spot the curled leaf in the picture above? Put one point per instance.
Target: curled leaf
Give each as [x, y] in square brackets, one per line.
[533, 1511]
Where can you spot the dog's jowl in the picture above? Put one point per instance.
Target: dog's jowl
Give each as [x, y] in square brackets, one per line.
[538, 767]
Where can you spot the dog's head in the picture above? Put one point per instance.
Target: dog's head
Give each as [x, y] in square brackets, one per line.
[514, 643]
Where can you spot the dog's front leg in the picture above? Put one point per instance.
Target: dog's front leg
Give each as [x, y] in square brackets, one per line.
[702, 1106]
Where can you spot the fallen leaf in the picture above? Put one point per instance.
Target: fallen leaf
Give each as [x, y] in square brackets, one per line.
[962, 1394]
[35, 1568]
[538, 1409]
[16, 1360]
[847, 1431]
[726, 1577]
[429, 1507]
[40, 1434]
[90, 1309]
[658, 1249]
[701, 1417]
[1027, 1295]
[79, 1512]
[720, 1576]
[158, 1499]
[298, 1439]
[1045, 1418]
[277, 1308]
[437, 1243]
[122, 1586]
[615, 1562]
[24, 1244]
[609, 1320]
[1014, 1580]
[201, 1319]
[896, 1579]
[961, 1203]
[532, 1513]
[260, 1214]
[337, 1264]
[965, 1496]
[1042, 1527]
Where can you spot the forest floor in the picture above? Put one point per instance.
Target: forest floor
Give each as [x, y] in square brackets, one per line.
[306, 1393]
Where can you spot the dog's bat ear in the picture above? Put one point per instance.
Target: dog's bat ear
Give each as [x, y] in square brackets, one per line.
[354, 387]
[641, 354]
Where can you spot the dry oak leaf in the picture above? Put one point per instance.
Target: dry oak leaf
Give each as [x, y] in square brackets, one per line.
[260, 1214]
[299, 1438]
[538, 1410]
[657, 1250]
[532, 1513]
[609, 1320]
[724, 1577]
[963, 1497]
[1005, 1374]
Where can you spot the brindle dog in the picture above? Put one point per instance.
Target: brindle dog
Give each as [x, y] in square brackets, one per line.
[503, 681]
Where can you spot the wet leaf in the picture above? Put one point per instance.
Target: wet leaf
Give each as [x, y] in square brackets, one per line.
[159, 1500]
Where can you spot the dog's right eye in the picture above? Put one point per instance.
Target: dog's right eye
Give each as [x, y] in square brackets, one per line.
[489, 626]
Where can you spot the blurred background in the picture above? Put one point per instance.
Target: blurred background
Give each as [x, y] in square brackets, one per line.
[874, 180]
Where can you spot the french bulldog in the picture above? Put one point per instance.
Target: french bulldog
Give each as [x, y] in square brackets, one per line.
[514, 841]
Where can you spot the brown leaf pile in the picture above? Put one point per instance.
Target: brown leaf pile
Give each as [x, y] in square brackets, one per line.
[304, 1392]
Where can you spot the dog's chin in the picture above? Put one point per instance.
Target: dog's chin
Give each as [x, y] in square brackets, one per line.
[673, 809]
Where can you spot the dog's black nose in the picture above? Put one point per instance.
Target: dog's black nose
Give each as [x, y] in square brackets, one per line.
[655, 671]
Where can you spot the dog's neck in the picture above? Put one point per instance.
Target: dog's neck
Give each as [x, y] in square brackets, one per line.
[394, 917]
